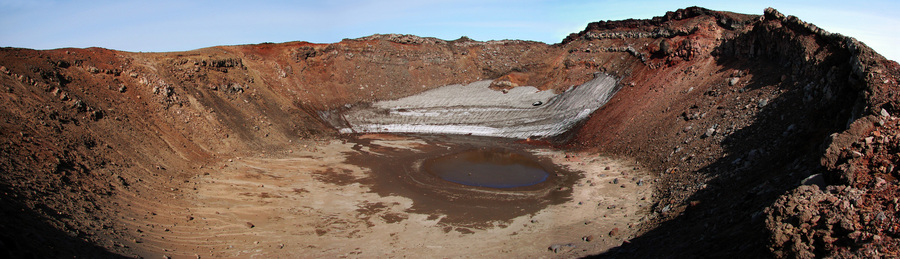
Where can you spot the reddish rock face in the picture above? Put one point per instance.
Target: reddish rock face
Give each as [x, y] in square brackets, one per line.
[731, 110]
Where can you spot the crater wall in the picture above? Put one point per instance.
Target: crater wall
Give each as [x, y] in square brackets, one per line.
[730, 111]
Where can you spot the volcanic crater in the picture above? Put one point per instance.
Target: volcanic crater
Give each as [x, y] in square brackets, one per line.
[698, 133]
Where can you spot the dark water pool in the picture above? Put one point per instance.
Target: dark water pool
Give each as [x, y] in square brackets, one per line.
[493, 168]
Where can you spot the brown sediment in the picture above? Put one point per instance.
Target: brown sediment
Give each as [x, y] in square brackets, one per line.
[400, 172]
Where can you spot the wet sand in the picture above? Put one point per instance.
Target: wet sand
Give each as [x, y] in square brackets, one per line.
[364, 198]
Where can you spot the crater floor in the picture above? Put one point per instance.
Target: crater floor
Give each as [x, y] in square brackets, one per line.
[318, 203]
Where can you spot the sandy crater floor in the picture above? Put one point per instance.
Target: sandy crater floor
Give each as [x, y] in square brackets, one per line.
[313, 203]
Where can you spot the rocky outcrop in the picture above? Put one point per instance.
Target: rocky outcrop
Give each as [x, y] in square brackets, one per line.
[783, 88]
[857, 213]
[812, 223]
[835, 226]
[657, 27]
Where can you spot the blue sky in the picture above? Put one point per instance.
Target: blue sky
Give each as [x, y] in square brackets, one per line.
[168, 25]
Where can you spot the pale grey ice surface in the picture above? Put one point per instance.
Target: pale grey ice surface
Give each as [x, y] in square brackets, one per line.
[478, 110]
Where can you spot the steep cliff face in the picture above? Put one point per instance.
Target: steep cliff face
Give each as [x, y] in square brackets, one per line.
[732, 112]
[742, 119]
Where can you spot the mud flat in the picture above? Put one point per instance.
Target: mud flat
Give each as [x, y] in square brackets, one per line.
[475, 109]
[327, 200]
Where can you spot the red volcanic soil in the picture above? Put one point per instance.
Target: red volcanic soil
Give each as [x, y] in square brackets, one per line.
[101, 150]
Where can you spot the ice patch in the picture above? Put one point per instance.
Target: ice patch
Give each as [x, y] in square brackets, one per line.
[477, 110]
